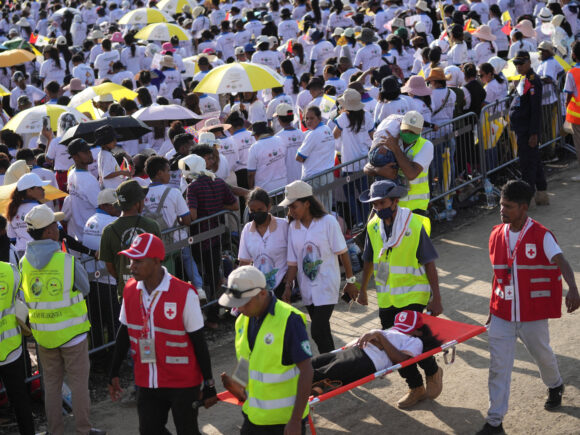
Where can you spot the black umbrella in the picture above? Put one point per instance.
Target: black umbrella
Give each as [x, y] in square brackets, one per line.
[126, 127]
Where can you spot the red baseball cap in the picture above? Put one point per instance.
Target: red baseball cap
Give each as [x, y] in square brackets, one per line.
[407, 321]
[145, 245]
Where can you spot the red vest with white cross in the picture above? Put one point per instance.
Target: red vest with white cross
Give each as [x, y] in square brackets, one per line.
[538, 293]
[176, 365]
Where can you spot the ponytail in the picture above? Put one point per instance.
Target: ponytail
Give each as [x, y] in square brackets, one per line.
[492, 47]
[295, 84]
[133, 49]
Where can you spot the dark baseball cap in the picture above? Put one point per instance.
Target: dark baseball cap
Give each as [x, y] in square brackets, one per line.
[130, 192]
[78, 145]
[105, 134]
[521, 57]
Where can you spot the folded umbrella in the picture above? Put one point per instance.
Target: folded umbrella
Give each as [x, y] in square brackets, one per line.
[126, 127]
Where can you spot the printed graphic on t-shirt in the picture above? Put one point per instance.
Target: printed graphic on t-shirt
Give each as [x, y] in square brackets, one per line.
[265, 264]
[311, 260]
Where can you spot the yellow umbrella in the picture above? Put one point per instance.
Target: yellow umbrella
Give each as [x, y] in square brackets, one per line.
[30, 121]
[239, 77]
[175, 6]
[4, 92]
[117, 91]
[162, 32]
[15, 57]
[144, 16]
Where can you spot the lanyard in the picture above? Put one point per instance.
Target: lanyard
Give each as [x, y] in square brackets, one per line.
[512, 255]
[146, 313]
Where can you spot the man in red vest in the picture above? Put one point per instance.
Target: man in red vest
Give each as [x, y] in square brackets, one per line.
[528, 266]
[161, 321]
[572, 88]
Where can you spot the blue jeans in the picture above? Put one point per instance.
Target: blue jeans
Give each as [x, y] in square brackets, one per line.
[190, 268]
[357, 210]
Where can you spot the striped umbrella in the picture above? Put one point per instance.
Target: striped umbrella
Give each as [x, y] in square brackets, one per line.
[30, 121]
[173, 7]
[144, 16]
[162, 32]
[239, 77]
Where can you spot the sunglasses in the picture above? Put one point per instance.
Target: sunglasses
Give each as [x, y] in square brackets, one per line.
[238, 294]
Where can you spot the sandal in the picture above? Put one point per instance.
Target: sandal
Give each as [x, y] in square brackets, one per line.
[324, 386]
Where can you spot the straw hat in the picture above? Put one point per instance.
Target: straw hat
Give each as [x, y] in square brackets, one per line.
[167, 61]
[483, 32]
[416, 86]
[351, 100]
[545, 15]
[546, 46]
[367, 36]
[436, 74]
[526, 28]
[422, 5]
[213, 123]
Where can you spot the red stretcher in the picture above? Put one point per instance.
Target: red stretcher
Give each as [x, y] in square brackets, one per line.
[449, 332]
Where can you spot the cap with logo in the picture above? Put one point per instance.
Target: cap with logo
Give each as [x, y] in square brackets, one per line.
[30, 180]
[296, 190]
[413, 121]
[284, 109]
[145, 245]
[106, 196]
[130, 192]
[243, 284]
[41, 216]
[407, 321]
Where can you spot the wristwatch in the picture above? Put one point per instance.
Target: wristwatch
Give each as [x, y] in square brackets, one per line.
[351, 280]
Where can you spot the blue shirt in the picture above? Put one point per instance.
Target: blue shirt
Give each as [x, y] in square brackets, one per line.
[296, 344]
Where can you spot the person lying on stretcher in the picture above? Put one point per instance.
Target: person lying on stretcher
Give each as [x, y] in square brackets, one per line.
[375, 350]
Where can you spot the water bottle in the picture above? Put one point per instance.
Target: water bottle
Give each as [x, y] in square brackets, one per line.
[449, 209]
[489, 195]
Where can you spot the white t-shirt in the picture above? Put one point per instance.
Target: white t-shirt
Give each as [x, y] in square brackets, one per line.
[257, 112]
[174, 205]
[84, 73]
[267, 158]
[243, 140]
[550, 246]
[442, 102]
[17, 228]
[49, 71]
[208, 104]
[59, 154]
[91, 238]
[354, 145]
[317, 150]
[288, 29]
[133, 63]
[229, 149]
[549, 68]
[457, 55]
[482, 52]
[495, 91]
[338, 83]
[406, 344]
[320, 52]
[107, 165]
[399, 106]
[83, 191]
[292, 138]
[268, 58]
[105, 61]
[268, 252]
[368, 56]
[315, 251]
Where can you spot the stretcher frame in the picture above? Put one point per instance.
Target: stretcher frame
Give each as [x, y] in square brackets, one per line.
[448, 331]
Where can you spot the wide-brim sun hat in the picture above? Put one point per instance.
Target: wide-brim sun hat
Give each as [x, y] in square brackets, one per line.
[416, 86]
[382, 189]
[483, 32]
[526, 28]
[351, 100]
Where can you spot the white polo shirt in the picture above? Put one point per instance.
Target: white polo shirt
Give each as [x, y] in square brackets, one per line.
[317, 150]
[315, 251]
[83, 191]
[292, 138]
[267, 158]
[267, 252]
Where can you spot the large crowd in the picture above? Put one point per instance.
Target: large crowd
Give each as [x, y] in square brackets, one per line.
[356, 83]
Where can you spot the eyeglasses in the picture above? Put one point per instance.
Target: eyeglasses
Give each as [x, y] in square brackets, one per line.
[238, 294]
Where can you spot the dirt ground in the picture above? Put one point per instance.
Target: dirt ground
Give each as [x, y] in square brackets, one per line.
[464, 273]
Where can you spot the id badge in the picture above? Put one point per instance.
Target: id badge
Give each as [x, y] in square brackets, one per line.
[242, 372]
[383, 272]
[147, 350]
[509, 292]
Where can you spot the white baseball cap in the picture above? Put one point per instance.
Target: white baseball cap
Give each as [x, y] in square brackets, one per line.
[413, 121]
[41, 216]
[284, 109]
[296, 190]
[30, 180]
[243, 284]
[107, 196]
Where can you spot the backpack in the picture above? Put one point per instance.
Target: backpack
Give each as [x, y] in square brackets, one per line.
[157, 214]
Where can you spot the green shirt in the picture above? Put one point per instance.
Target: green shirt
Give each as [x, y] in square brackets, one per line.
[117, 237]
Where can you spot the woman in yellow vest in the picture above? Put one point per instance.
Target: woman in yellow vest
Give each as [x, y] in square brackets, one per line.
[274, 372]
[12, 371]
[400, 255]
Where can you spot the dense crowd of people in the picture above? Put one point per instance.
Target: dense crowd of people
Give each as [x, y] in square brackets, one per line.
[359, 83]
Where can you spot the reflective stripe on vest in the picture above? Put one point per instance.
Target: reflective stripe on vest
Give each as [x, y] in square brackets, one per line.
[418, 195]
[10, 338]
[271, 385]
[573, 108]
[400, 279]
[57, 311]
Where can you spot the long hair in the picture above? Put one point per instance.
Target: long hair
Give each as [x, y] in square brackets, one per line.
[429, 340]
[287, 68]
[16, 200]
[298, 50]
[356, 119]
[54, 55]
[316, 208]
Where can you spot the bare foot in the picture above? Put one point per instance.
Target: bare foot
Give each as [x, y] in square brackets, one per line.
[234, 387]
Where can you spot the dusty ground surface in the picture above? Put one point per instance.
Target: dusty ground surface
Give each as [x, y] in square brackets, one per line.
[464, 273]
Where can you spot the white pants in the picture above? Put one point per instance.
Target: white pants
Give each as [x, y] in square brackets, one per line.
[502, 342]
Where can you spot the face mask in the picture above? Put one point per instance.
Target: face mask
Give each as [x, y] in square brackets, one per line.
[408, 138]
[259, 217]
[385, 213]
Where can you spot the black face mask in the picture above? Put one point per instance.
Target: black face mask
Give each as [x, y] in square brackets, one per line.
[259, 217]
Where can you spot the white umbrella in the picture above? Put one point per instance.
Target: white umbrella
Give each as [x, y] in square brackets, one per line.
[171, 112]
[60, 13]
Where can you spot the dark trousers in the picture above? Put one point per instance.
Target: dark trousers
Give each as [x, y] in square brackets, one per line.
[249, 428]
[153, 405]
[242, 181]
[347, 365]
[411, 373]
[320, 326]
[531, 163]
[208, 258]
[103, 311]
[13, 376]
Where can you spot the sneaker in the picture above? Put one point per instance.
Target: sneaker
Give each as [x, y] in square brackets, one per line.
[488, 429]
[542, 198]
[435, 384]
[575, 178]
[413, 396]
[554, 398]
